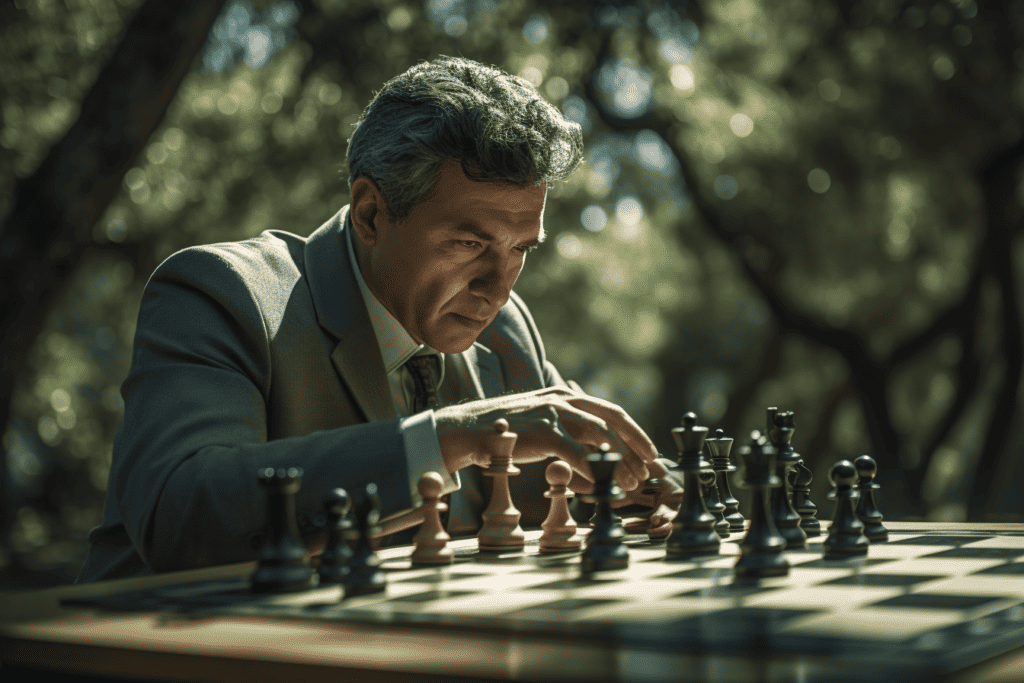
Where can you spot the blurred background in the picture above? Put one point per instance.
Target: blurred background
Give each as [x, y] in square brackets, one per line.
[808, 204]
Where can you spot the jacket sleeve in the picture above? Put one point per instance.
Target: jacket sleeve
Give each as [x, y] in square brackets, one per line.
[195, 424]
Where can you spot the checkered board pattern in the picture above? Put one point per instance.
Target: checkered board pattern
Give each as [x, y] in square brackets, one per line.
[927, 601]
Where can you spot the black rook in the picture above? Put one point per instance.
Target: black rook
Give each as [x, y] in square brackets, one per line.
[284, 564]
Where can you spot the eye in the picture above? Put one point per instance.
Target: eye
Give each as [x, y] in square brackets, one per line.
[469, 244]
[526, 250]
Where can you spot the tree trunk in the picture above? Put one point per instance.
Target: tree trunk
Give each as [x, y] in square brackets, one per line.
[50, 224]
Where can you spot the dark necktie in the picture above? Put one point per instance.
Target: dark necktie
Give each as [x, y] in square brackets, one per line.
[422, 369]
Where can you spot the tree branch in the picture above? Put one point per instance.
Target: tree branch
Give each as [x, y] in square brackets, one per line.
[53, 211]
[1003, 222]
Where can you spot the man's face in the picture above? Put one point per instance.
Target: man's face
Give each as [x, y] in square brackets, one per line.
[448, 268]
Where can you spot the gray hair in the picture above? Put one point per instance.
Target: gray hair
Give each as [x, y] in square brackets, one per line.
[495, 125]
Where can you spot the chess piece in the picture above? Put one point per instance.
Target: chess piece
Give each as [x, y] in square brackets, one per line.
[800, 482]
[846, 537]
[786, 519]
[693, 530]
[283, 562]
[334, 561]
[866, 510]
[559, 527]
[605, 550]
[501, 530]
[659, 522]
[714, 506]
[719, 447]
[365, 575]
[761, 553]
[430, 544]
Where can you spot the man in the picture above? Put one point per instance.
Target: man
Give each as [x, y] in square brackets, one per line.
[383, 346]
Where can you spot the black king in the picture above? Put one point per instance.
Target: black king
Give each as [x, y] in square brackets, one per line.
[693, 532]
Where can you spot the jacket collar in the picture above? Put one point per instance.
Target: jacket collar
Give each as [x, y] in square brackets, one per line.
[340, 310]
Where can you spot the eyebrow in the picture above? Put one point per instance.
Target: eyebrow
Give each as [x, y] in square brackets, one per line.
[488, 237]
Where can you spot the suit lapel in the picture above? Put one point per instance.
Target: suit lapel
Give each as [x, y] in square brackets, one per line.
[341, 312]
[485, 370]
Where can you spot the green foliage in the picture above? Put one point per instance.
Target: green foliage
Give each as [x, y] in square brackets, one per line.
[842, 151]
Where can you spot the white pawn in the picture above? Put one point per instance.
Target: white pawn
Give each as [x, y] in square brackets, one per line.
[501, 530]
[559, 527]
[430, 544]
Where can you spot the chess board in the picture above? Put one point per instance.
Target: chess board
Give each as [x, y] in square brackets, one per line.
[922, 606]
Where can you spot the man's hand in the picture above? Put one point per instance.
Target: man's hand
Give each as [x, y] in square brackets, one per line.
[555, 422]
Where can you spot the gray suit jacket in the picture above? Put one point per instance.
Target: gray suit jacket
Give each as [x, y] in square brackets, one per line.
[256, 354]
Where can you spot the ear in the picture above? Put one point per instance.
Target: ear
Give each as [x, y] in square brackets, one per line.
[366, 209]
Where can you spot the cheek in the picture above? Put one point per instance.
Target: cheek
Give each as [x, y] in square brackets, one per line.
[451, 291]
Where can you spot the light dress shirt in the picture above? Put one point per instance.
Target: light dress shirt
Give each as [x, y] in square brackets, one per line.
[419, 431]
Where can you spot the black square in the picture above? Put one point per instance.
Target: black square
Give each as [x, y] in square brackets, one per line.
[941, 539]
[699, 573]
[860, 561]
[1010, 568]
[939, 601]
[563, 584]
[740, 620]
[566, 606]
[441, 577]
[881, 580]
[430, 596]
[739, 589]
[971, 553]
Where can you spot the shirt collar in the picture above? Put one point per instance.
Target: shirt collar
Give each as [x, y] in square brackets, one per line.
[396, 346]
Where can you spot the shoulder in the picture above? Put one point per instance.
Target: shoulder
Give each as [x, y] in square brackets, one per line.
[273, 252]
[252, 280]
[264, 269]
[514, 318]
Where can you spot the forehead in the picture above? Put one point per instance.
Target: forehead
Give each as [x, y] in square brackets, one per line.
[455, 196]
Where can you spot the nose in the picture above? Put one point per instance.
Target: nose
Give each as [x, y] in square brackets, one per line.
[495, 279]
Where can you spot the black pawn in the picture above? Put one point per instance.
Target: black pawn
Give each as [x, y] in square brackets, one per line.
[693, 530]
[365, 575]
[800, 482]
[719, 447]
[787, 521]
[761, 553]
[605, 550]
[337, 556]
[866, 510]
[711, 501]
[846, 537]
[283, 562]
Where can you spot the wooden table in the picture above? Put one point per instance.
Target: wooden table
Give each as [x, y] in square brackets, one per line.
[38, 632]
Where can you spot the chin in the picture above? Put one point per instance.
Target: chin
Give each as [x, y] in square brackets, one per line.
[453, 342]
[450, 346]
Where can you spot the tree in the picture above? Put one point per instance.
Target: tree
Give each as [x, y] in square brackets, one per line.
[804, 204]
[49, 225]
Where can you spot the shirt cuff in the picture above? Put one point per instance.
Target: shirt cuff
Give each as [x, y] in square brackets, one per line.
[423, 454]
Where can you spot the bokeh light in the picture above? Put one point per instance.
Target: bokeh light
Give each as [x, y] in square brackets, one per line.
[818, 180]
[682, 78]
[594, 218]
[629, 86]
[726, 186]
[536, 29]
[741, 124]
[629, 210]
[249, 34]
[569, 246]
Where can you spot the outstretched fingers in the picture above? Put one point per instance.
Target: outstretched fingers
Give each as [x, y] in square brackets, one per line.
[617, 419]
[592, 431]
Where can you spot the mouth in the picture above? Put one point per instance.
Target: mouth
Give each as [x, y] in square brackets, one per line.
[473, 322]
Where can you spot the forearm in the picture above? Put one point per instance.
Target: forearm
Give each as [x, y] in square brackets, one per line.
[211, 508]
